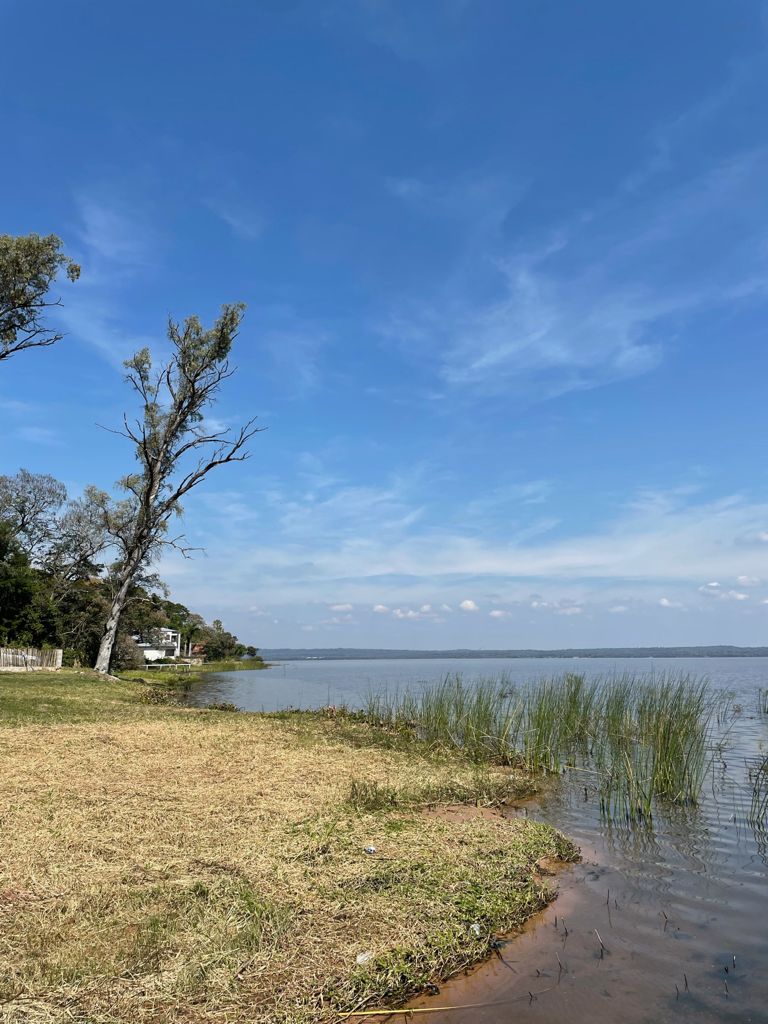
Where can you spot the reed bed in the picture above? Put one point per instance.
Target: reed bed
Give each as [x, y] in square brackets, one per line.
[646, 738]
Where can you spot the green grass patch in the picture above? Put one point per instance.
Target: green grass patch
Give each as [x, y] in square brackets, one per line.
[172, 673]
[66, 697]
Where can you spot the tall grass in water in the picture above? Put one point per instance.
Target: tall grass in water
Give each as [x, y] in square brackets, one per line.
[647, 738]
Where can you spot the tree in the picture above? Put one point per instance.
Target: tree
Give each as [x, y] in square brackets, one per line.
[28, 267]
[17, 588]
[173, 447]
[221, 645]
[29, 503]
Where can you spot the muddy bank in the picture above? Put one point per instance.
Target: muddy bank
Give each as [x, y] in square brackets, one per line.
[640, 932]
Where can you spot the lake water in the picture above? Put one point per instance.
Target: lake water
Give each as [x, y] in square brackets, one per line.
[673, 905]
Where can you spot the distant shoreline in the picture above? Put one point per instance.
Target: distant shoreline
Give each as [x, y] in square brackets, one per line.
[370, 654]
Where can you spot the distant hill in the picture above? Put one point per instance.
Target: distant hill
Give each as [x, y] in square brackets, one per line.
[347, 653]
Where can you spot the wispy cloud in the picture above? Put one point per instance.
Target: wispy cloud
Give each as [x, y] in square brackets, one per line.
[241, 215]
[293, 347]
[112, 234]
[600, 298]
[40, 435]
[116, 248]
[378, 558]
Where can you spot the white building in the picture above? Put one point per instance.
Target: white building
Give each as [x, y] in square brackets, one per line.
[165, 643]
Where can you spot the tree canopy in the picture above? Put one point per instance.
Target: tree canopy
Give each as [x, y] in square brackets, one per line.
[57, 584]
[29, 264]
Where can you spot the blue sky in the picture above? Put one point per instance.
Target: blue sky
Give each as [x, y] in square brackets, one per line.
[506, 267]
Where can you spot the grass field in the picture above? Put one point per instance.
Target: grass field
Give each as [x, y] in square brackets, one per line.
[165, 864]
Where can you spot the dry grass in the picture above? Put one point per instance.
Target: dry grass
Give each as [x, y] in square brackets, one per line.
[201, 866]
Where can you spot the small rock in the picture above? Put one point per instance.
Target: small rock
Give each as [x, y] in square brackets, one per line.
[363, 958]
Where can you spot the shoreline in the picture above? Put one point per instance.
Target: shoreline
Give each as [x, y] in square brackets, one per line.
[276, 868]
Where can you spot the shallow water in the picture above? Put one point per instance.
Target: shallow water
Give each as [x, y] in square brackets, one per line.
[673, 905]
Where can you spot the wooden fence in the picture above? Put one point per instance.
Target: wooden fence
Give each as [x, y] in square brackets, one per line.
[30, 658]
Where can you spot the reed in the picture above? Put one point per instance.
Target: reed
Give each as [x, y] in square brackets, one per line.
[757, 772]
[647, 738]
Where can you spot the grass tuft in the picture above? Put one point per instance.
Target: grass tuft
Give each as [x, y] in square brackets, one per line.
[647, 738]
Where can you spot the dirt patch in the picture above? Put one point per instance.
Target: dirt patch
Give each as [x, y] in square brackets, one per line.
[462, 813]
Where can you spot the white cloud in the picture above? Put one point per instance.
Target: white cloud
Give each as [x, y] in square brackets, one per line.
[570, 610]
[426, 608]
[468, 605]
[748, 581]
[365, 546]
[618, 609]
[666, 603]
[406, 613]
[40, 435]
[713, 589]
[499, 613]
[341, 607]
[716, 590]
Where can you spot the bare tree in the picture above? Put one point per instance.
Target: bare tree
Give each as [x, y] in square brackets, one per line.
[174, 448]
[28, 267]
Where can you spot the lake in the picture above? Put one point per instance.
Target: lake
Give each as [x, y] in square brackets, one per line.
[681, 908]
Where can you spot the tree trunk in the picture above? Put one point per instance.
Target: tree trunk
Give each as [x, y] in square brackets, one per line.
[113, 621]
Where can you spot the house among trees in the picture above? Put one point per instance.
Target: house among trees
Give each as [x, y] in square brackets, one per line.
[162, 643]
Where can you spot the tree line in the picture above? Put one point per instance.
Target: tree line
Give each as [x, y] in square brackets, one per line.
[78, 573]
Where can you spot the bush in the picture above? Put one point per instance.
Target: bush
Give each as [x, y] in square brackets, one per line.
[160, 695]
[127, 653]
[72, 658]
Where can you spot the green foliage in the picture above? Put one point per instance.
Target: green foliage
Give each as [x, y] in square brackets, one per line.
[221, 645]
[160, 695]
[29, 265]
[127, 653]
[645, 739]
[17, 592]
[54, 592]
